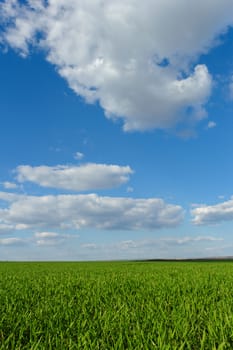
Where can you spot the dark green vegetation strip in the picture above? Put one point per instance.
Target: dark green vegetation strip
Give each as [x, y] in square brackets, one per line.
[116, 305]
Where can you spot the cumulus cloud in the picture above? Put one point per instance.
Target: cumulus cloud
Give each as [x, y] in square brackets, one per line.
[77, 178]
[88, 211]
[135, 58]
[213, 214]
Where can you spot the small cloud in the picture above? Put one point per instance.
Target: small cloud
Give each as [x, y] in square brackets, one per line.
[129, 189]
[195, 205]
[131, 244]
[50, 238]
[55, 149]
[21, 226]
[6, 228]
[9, 185]
[213, 214]
[11, 241]
[78, 155]
[45, 242]
[211, 125]
[221, 196]
[46, 235]
[89, 246]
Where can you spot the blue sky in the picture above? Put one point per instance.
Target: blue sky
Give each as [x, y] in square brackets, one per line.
[116, 133]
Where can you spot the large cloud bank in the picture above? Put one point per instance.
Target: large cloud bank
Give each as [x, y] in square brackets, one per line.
[136, 58]
[87, 211]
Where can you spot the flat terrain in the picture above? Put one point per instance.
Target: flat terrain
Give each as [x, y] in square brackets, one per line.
[116, 305]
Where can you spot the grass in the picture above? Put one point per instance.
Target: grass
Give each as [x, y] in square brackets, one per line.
[116, 305]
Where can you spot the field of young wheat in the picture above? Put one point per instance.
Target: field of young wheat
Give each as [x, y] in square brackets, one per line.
[116, 305]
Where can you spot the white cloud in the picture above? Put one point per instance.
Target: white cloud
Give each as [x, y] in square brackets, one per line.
[11, 241]
[213, 214]
[136, 58]
[89, 211]
[47, 238]
[78, 178]
[131, 244]
[78, 155]
[46, 235]
[9, 185]
[211, 125]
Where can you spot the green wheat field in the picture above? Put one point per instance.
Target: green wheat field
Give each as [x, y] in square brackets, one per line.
[116, 305]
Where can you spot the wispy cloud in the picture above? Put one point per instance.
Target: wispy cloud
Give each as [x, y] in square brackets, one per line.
[151, 248]
[89, 246]
[6, 228]
[11, 241]
[175, 241]
[9, 185]
[129, 189]
[189, 239]
[48, 238]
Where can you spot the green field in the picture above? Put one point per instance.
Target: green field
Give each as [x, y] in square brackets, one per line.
[116, 305]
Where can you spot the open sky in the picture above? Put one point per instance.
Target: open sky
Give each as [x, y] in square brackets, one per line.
[116, 133]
